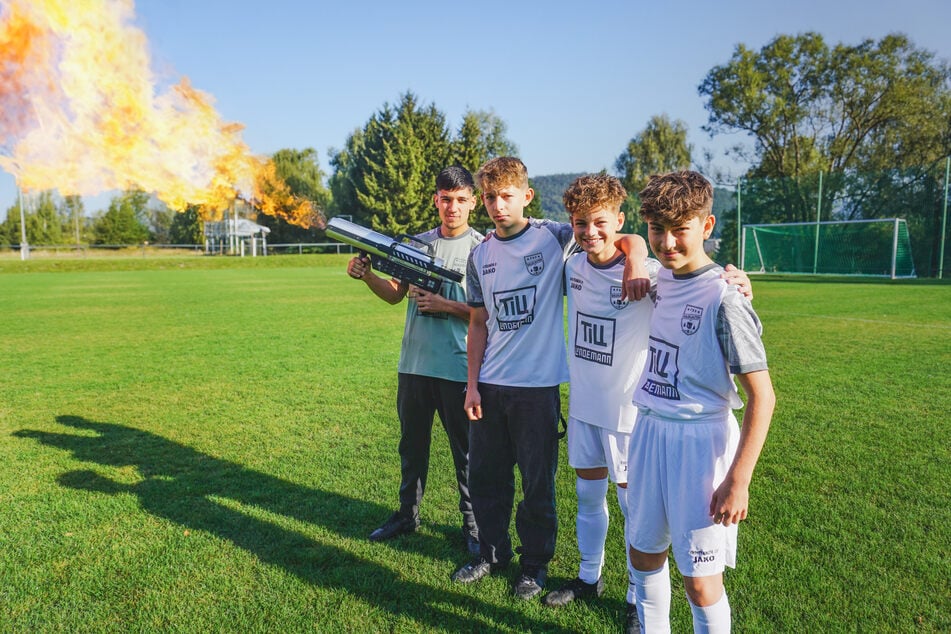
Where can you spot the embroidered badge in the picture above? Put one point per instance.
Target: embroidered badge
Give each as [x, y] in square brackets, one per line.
[616, 300]
[535, 263]
[690, 320]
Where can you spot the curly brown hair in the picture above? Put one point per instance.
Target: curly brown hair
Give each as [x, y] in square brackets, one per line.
[592, 192]
[502, 172]
[676, 197]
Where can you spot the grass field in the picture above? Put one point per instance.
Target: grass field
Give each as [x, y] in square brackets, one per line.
[203, 444]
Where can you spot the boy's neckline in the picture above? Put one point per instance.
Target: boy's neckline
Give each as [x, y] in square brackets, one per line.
[512, 236]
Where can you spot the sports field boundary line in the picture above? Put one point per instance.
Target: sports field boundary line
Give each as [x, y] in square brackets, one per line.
[884, 322]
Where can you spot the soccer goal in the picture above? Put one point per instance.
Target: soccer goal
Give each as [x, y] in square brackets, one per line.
[878, 248]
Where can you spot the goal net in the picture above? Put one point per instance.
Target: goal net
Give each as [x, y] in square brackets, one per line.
[878, 247]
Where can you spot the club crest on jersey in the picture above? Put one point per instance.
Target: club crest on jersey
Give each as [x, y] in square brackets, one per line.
[690, 320]
[616, 300]
[535, 263]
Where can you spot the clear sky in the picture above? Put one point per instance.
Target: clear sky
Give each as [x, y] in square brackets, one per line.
[574, 81]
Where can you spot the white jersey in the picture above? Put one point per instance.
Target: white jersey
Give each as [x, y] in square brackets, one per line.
[701, 333]
[607, 342]
[519, 280]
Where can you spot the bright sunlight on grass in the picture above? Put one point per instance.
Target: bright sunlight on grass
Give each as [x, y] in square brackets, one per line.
[203, 444]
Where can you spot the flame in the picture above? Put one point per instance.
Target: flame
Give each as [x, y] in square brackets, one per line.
[79, 112]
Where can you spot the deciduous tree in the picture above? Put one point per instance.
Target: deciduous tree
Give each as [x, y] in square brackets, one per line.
[124, 222]
[660, 147]
[299, 172]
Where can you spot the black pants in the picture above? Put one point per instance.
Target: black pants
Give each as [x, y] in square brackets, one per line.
[418, 398]
[519, 426]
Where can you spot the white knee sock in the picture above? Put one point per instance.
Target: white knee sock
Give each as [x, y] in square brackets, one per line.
[712, 619]
[650, 591]
[622, 502]
[592, 526]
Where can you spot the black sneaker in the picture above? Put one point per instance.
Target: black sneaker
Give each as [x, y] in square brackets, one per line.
[471, 538]
[475, 570]
[530, 581]
[574, 589]
[398, 524]
[633, 625]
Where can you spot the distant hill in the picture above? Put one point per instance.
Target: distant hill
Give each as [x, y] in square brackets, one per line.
[548, 189]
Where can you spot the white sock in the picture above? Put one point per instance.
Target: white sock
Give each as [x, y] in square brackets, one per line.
[622, 502]
[592, 526]
[650, 591]
[712, 619]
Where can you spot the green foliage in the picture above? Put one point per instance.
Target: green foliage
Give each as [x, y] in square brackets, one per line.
[49, 220]
[44, 225]
[10, 228]
[160, 221]
[549, 191]
[74, 213]
[123, 222]
[480, 137]
[384, 176]
[391, 166]
[660, 147]
[187, 227]
[300, 170]
[873, 118]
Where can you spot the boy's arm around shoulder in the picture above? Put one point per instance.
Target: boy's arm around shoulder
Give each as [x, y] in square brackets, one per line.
[738, 278]
[730, 502]
[637, 283]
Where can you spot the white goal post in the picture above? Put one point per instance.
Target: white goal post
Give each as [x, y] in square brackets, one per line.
[879, 248]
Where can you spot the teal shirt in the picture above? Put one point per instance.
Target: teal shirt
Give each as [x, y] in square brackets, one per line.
[434, 344]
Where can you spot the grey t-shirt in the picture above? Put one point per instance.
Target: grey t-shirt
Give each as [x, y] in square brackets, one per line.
[434, 344]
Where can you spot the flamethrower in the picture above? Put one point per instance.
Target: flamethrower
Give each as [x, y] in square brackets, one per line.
[394, 257]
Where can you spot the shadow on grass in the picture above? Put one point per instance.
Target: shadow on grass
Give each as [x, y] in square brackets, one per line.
[181, 484]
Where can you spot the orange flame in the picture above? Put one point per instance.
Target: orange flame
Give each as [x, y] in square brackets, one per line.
[79, 112]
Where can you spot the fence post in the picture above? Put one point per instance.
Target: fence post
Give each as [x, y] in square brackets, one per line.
[815, 257]
[944, 216]
[739, 225]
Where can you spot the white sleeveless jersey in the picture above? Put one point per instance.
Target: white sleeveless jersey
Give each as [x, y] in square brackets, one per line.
[607, 342]
[702, 331]
[519, 282]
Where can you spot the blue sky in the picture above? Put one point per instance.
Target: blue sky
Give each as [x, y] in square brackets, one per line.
[573, 81]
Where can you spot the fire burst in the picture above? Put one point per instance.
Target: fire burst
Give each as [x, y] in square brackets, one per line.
[79, 112]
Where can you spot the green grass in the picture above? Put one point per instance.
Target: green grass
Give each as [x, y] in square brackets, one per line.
[202, 444]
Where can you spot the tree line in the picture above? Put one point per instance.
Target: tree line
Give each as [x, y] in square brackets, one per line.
[873, 118]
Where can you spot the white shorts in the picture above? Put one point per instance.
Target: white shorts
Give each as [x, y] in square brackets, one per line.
[674, 468]
[591, 447]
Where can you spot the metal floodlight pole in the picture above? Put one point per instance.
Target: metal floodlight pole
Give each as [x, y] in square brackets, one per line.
[815, 257]
[739, 224]
[24, 245]
[944, 216]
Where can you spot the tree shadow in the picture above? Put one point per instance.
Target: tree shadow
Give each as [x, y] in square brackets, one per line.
[187, 487]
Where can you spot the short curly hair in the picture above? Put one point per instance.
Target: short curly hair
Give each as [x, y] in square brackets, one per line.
[676, 197]
[592, 192]
[502, 172]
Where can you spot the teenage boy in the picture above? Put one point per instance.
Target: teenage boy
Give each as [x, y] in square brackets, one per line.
[607, 349]
[432, 366]
[689, 464]
[516, 362]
